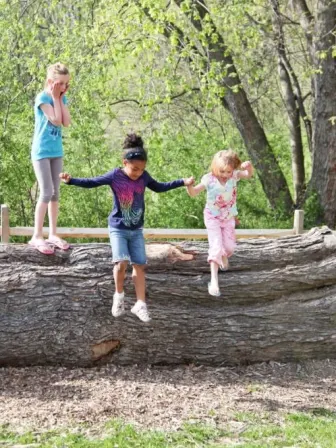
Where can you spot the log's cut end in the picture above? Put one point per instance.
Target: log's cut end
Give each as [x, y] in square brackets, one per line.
[102, 349]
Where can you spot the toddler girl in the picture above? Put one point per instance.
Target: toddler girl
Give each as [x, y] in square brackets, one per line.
[220, 210]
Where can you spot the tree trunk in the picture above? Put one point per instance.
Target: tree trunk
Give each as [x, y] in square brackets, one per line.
[271, 177]
[278, 303]
[293, 111]
[324, 111]
[235, 100]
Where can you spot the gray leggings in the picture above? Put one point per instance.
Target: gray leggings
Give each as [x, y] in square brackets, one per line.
[47, 173]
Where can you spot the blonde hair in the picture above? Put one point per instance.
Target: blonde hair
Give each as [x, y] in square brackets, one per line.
[55, 70]
[222, 159]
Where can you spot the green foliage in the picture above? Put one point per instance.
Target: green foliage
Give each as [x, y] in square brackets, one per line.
[313, 210]
[125, 75]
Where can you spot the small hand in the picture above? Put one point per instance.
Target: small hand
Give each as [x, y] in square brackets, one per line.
[189, 181]
[56, 90]
[246, 165]
[65, 177]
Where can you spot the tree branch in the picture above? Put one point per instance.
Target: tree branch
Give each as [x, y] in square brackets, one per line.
[173, 97]
[307, 20]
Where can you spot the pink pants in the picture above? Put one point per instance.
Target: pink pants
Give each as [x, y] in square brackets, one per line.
[221, 236]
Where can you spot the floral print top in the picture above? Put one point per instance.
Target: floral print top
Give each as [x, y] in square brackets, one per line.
[221, 198]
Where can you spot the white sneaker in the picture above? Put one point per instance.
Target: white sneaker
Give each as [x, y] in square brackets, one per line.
[118, 307]
[140, 310]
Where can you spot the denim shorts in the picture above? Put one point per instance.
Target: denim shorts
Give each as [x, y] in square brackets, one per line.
[128, 245]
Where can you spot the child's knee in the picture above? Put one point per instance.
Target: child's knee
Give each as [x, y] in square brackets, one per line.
[45, 196]
[215, 250]
[138, 268]
[55, 197]
[230, 248]
[121, 266]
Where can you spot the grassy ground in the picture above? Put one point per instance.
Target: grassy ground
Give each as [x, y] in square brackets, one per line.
[317, 429]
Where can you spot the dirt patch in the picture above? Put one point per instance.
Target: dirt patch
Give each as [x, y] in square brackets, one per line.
[161, 397]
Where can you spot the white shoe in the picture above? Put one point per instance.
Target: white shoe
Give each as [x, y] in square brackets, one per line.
[118, 307]
[213, 290]
[140, 310]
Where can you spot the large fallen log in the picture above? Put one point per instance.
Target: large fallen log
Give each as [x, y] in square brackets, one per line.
[278, 302]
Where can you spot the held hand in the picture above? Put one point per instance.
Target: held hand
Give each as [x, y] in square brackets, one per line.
[56, 90]
[189, 181]
[65, 177]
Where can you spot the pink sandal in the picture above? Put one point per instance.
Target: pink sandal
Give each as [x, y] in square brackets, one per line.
[42, 246]
[225, 264]
[58, 242]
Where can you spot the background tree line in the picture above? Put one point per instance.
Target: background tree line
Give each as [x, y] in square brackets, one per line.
[193, 77]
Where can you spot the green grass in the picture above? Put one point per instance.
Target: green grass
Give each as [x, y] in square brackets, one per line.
[118, 435]
[300, 430]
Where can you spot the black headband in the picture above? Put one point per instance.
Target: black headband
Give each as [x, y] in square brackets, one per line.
[135, 155]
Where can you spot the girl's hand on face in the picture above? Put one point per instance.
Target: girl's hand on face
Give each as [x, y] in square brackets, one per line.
[65, 90]
[65, 177]
[189, 181]
[56, 90]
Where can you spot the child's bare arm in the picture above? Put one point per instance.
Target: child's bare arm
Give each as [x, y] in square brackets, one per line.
[66, 120]
[194, 191]
[53, 113]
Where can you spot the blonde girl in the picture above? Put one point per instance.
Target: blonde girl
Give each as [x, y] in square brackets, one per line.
[51, 113]
[220, 209]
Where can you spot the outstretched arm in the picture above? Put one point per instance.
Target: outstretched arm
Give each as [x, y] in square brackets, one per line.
[194, 191]
[161, 187]
[246, 170]
[92, 182]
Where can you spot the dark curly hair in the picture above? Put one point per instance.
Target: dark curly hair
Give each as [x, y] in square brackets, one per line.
[133, 141]
[133, 146]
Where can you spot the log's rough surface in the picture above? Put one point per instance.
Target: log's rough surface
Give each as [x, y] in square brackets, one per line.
[278, 302]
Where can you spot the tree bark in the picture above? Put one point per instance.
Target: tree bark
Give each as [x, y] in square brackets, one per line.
[293, 112]
[324, 111]
[278, 302]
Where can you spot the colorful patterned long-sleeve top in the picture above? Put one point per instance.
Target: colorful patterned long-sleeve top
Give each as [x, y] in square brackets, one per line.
[129, 204]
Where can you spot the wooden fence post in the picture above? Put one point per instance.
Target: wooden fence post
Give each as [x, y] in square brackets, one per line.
[298, 221]
[4, 224]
